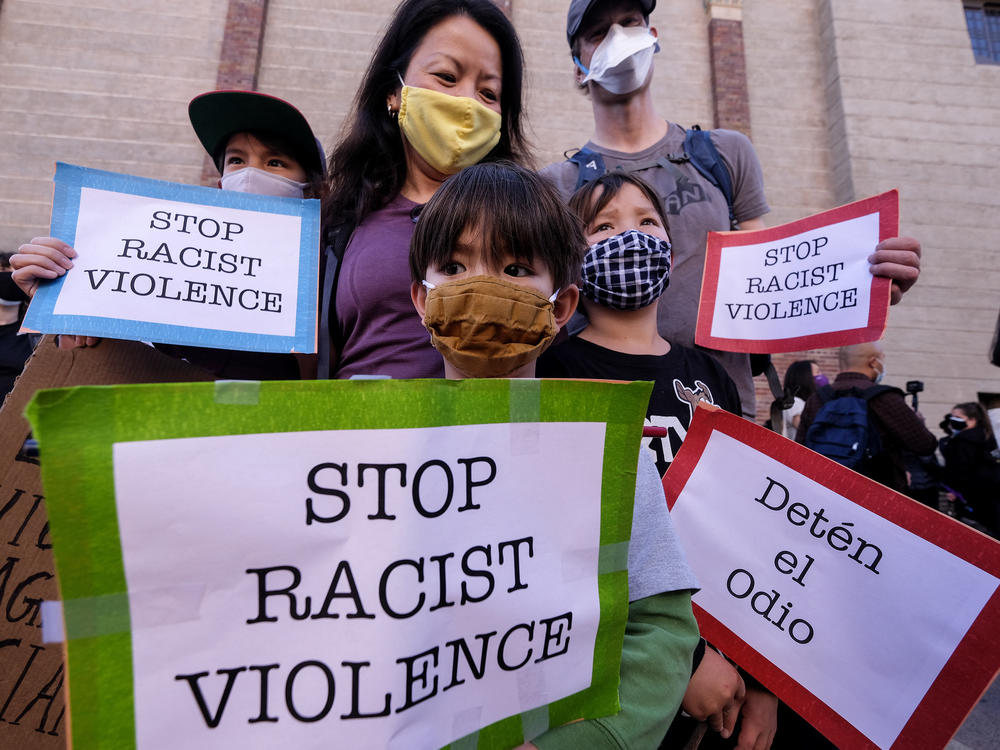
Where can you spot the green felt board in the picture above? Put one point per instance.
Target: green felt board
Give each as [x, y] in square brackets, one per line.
[76, 428]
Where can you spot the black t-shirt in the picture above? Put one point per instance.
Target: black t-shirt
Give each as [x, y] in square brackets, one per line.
[681, 378]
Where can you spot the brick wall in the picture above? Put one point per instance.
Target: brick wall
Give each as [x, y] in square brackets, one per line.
[239, 58]
[99, 83]
[729, 75]
[847, 98]
[785, 78]
[920, 115]
[826, 359]
[315, 53]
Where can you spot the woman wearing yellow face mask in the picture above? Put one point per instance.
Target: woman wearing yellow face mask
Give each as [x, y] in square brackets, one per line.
[442, 92]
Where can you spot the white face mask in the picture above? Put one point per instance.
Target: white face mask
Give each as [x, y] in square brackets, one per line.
[259, 182]
[622, 61]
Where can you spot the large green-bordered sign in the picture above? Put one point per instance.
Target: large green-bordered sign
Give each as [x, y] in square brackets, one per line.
[369, 563]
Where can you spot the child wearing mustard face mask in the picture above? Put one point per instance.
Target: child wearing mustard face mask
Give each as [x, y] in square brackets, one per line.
[500, 254]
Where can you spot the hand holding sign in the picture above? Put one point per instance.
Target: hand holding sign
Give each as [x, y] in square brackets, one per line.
[802, 285]
[42, 258]
[176, 264]
[47, 258]
[897, 258]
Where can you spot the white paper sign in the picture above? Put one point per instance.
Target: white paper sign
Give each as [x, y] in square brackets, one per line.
[803, 285]
[374, 570]
[182, 265]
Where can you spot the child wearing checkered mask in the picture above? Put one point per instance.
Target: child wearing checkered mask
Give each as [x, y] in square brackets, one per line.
[625, 272]
[627, 266]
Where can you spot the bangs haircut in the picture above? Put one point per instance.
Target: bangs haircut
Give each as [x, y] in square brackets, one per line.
[517, 213]
[588, 201]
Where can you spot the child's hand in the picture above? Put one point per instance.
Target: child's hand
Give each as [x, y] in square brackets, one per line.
[759, 720]
[715, 693]
[42, 258]
[897, 258]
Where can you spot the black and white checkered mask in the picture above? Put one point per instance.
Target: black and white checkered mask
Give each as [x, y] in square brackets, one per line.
[626, 272]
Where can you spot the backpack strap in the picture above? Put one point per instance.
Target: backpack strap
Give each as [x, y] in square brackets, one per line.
[590, 165]
[783, 397]
[699, 151]
[705, 157]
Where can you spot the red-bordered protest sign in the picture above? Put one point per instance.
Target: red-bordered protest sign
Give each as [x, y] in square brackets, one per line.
[872, 616]
[801, 285]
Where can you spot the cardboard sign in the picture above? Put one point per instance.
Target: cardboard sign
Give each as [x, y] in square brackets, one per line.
[390, 563]
[181, 264]
[871, 615]
[802, 285]
[32, 674]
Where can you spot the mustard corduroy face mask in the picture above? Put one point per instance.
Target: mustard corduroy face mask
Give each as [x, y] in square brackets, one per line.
[488, 327]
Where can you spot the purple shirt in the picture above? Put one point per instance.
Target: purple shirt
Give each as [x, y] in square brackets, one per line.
[378, 330]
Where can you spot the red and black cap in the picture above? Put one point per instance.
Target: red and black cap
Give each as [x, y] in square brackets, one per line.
[216, 115]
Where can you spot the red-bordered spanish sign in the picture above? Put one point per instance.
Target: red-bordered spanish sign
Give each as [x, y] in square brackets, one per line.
[802, 285]
[872, 616]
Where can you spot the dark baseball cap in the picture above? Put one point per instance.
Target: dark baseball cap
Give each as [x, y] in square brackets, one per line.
[216, 115]
[579, 8]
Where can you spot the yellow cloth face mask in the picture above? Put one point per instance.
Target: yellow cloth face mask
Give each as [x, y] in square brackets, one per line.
[449, 132]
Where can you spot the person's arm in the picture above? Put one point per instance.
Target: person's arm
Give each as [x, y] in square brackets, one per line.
[904, 424]
[660, 637]
[897, 258]
[750, 225]
[41, 259]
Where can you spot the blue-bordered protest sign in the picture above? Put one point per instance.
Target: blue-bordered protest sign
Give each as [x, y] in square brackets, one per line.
[181, 264]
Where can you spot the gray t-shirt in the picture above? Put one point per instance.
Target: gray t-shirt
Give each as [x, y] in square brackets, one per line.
[656, 562]
[693, 207]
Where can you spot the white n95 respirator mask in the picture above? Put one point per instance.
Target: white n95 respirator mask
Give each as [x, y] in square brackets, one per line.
[622, 61]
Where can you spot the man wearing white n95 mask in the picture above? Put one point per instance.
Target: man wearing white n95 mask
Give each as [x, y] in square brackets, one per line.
[613, 52]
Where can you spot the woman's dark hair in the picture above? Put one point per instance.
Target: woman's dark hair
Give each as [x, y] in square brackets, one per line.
[975, 410]
[517, 212]
[799, 378]
[367, 169]
[586, 206]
